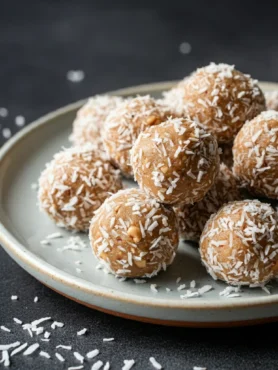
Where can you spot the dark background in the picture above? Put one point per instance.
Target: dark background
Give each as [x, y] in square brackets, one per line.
[118, 44]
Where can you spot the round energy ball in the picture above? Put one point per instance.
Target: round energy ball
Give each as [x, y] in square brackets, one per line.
[271, 98]
[240, 243]
[124, 124]
[75, 184]
[193, 217]
[175, 162]
[133, 235]
[90, 118]
[256, 155]
[220, 98]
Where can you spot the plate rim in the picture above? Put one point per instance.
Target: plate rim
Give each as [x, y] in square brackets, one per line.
[14, 247]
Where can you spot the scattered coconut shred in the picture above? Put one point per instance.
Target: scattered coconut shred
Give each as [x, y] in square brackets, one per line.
[155, 364]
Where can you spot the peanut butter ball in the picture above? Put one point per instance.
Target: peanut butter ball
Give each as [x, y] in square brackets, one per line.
[124, 124]
[90, 118]
[133, 235]
[175, 162]
[193, 217]
[256, 155]
[239, 244]
[75, 184]
[220, 98]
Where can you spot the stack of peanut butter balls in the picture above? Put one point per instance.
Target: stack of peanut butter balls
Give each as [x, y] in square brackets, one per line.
[201, 155]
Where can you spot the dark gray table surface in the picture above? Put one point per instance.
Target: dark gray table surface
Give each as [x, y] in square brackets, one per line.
[118, 44]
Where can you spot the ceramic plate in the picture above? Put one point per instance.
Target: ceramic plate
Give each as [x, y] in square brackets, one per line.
[22, 227]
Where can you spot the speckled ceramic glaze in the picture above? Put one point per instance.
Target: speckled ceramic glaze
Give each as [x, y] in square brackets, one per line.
[22, 227]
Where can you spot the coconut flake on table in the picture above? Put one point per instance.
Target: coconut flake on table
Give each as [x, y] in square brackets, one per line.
[155, 364]
[20, 121]
[14, 297]
[199, 368]
[16, 320]
[106, 366]
[64, 347]
[76, 367]
[75, 75]
[185, 48]
[57, 324]
[4, 328]
[36, 299]
[6, 132]
[92, 353]
[97, 365]
[4, 112]
[108, 339]
[5, 358]
[128, 364]
[44, 354]
[82, 331]
[78, 357]
[59, 357]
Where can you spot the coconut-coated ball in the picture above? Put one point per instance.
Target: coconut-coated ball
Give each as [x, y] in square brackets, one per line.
[124, 124]
[256, 155]
[193, 217]
[90, 118]
[133, 235]
[75, 184]
[218, 96]
[240, 245]
[175, 162]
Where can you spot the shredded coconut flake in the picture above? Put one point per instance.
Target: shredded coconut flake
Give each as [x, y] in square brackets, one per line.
[59, 357]
[155, 364]
[82, 331]
[128, 364]
[44, 354]
[97, 365]
[92, 353]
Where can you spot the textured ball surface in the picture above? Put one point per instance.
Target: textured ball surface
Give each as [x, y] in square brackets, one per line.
[219, 97]
[256, 155]
[90, 118]
[75, 184]
[193, 217]
[240, 243]
[176, 162]
[123, 126]
[133, 235]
